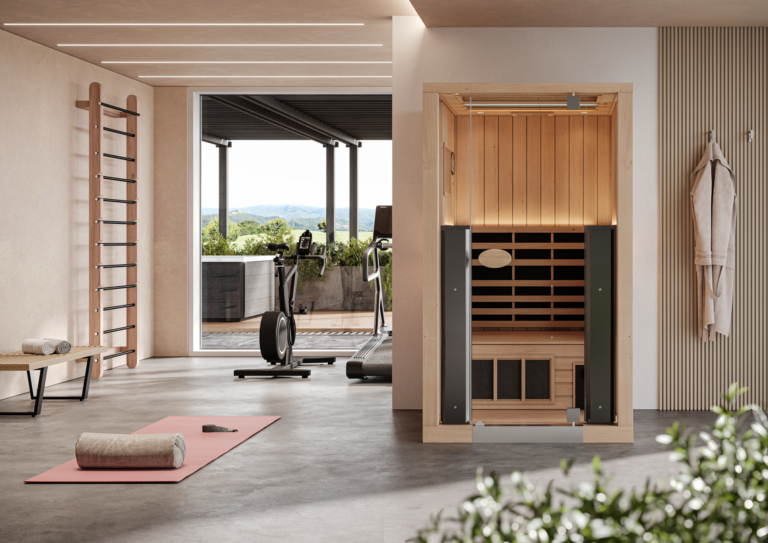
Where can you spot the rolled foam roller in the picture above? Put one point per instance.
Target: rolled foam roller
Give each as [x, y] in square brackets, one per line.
[133, 451]
[38, 346]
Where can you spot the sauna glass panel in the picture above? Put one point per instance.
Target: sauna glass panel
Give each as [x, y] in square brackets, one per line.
[569, 273]
[569, 254]
[509, 377]
[532, 254]
[537, 379]
[481, 273]
[482, 379]
[533, 237]
[486, 237]
[533, 273]
[568, 237]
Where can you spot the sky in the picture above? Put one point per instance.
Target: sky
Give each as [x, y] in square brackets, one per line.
[293, 172]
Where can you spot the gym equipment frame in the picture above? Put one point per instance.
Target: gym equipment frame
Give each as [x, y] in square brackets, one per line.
[277, 331]
[519, 166]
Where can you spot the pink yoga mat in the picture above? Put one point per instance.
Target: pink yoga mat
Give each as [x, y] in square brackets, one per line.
[202, 448]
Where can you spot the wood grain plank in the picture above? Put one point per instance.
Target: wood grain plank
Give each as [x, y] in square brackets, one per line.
[624, 270]
[478, 170]
[533, 174]
[590, 170]
[462, 170]
[505, 171]
[547, 171]
[95, 309]
[431, 193]
[491, 174]
[519, 166]
[562, 171]
[576, 170]
[604, 173]
[132, 233]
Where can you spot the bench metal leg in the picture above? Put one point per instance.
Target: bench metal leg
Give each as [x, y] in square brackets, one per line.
[31, 383]
[40, 391]
[86, 385]
[38, 396]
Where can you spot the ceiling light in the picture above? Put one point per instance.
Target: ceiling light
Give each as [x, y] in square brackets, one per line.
[246, 62]
[260, 76]
[219, 44]
[184, 24]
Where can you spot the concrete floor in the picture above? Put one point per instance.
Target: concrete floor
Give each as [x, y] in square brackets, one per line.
[339, 466]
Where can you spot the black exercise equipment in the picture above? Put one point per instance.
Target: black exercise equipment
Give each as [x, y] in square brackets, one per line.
[382, 233]
[277, 332]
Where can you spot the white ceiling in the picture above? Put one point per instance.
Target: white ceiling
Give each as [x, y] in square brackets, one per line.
[592, 13]
[375, 33]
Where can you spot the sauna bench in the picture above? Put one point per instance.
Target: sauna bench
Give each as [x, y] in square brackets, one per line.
[500, 394]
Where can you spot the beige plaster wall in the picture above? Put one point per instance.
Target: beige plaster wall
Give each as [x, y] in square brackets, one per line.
[520, 55]
[171, 203]
[44, 203]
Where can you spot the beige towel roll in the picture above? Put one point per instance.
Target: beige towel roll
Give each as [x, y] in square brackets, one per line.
[134, 451]
[62, 345]
[38, 346]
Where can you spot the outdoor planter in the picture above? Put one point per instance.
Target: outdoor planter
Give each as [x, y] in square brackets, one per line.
[237, 287]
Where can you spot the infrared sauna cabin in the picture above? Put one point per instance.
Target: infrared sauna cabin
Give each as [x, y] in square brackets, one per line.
[536, 181]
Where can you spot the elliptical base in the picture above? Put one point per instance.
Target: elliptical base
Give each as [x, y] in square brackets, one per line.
[274, 372]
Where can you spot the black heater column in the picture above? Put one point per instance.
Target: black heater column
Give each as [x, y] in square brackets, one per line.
[456, 321]
[599, 324]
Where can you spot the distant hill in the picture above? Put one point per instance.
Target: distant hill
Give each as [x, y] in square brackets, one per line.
[305, 217]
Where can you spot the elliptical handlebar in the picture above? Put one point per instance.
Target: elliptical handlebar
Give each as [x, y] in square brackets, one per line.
[321, 258]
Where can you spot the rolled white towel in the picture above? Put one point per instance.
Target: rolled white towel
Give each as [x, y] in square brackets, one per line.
[62, 345]
[38, 346]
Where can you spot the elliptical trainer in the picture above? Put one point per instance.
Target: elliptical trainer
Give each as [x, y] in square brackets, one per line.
[277, 332]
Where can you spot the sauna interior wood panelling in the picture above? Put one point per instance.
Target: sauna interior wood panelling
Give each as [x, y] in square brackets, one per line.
[712, 79]
[535, 170]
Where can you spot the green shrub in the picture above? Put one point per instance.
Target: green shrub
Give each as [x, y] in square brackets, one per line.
[720, 495]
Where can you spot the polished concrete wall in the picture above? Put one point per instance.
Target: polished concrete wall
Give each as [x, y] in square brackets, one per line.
[44, 199]
[520, 55]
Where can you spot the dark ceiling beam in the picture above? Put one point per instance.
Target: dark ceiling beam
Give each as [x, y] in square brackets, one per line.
[216, 140]
[256, 110]
[295, 115]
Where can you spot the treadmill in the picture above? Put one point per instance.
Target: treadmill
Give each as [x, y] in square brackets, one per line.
[374, 359]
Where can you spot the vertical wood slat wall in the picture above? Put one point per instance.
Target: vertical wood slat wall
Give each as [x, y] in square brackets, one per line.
[535, 170]
[712, 79]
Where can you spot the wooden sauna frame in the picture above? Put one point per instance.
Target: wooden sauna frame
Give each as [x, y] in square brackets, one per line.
[444, 203]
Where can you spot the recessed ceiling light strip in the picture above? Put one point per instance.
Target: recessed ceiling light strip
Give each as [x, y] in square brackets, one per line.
[220, 44]
[262, 76]
[246, 62]
[183, 24]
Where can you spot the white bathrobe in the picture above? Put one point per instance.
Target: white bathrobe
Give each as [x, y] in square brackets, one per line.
[713, 199]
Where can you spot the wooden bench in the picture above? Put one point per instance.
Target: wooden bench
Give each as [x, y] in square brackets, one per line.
[18, 361]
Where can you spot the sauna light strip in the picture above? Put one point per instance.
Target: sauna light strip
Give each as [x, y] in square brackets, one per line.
[535, 104]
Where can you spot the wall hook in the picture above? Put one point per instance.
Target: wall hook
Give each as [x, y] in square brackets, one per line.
[751, 135]
[711, 135]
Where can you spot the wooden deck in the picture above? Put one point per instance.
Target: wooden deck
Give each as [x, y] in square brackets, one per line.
[316, 321]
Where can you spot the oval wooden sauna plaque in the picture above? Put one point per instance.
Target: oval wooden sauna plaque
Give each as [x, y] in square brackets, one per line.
[494, 258]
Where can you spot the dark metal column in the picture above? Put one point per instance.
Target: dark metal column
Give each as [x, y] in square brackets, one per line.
[224, 189]
[352, 191]
[330, 194]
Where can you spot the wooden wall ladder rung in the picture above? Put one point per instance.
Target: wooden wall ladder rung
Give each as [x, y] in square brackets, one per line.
[96, 111]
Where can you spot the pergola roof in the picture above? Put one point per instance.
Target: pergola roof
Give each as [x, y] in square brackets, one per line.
[359, 116]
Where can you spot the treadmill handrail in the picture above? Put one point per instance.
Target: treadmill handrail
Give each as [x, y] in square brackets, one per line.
[366, 277]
